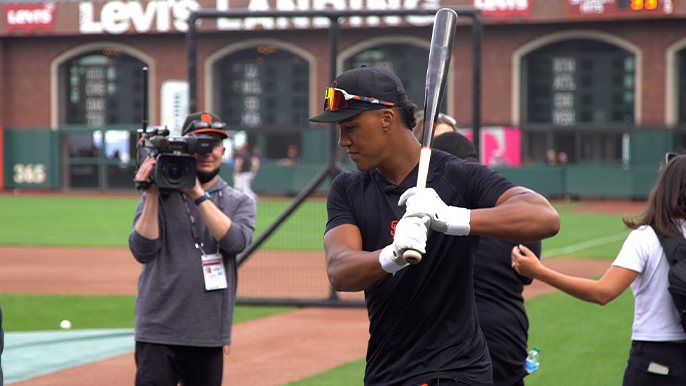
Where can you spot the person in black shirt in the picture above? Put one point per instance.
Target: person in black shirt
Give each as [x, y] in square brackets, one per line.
[423, 323]
[244, 171]
[497, 289]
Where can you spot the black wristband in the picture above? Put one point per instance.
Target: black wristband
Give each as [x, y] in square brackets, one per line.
[202, 198]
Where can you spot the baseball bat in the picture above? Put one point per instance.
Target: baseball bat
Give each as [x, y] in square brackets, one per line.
[436, 76]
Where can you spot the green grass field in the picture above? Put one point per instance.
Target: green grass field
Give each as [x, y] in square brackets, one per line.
[106, 222]
[580, 343]
[579, 229]
[31, 312]
[90, 221]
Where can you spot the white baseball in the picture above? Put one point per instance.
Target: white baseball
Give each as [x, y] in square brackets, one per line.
[65, 324]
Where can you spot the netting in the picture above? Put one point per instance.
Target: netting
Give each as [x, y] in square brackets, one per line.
[290, 265]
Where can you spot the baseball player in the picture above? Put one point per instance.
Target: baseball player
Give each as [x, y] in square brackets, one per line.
[423, 323]
[497, 288]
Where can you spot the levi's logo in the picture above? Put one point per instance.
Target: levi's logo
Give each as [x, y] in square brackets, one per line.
[393, 225]
[29, 17]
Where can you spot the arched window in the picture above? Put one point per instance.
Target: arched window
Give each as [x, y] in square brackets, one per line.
[100, 88]
[100, 103]
[264, 87]
[407, 62]
[578, 83]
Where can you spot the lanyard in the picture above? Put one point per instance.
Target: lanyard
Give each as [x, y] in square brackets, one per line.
[198, 243]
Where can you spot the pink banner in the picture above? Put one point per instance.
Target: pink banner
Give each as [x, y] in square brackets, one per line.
[500, 146]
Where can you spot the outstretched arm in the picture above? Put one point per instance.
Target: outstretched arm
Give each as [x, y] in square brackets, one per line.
[613, 283]
[520, 215]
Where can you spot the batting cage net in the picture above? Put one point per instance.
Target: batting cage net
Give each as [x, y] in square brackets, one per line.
[289, 267]
[286, 263]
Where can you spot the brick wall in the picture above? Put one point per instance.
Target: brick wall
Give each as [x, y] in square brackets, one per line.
[25, 64]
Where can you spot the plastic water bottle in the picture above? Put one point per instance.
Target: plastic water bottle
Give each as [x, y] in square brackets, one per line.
[531, 364]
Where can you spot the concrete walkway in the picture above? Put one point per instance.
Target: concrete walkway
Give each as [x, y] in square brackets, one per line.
[29, 355]
[266, 352]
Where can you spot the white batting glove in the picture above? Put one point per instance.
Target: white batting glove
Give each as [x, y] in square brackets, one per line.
[410, 233]
[451, 220]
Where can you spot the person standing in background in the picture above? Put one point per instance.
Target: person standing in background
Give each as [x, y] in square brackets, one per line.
[444, 124]
[244, 171]
[292, 157]
[184, 314]
[551, 157]
[257, 154]
[658, 340]
[497, 289]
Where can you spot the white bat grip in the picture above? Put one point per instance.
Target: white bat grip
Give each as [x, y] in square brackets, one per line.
[423, 172]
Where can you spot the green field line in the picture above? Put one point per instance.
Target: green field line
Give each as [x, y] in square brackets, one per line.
[585, 245]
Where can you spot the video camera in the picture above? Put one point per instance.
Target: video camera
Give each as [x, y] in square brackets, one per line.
[176, 167]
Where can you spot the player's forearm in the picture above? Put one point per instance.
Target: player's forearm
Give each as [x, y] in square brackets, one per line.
[148, 223]
[353, 270]
[525, 217]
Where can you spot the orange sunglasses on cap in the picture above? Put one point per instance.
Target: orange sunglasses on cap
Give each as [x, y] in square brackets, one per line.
[337, 99]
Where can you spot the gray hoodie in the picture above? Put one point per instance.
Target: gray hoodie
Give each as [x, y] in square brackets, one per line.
[173, 306]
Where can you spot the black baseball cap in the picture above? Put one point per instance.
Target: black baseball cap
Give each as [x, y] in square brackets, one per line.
[204, 123]
[369, 83]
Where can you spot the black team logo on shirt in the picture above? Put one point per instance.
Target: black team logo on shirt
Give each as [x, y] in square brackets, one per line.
[393, 224]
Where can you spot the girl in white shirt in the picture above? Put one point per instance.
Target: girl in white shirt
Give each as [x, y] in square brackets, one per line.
[658, 349]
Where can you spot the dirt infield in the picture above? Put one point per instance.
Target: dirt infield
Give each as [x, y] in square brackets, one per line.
[622, 207]
[266, 352]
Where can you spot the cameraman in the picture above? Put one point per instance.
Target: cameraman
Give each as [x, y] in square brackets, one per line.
[187, 242]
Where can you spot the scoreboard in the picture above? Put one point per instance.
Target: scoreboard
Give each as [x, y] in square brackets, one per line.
[619, 8]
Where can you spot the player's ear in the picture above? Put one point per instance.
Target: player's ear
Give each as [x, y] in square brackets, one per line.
[387, 117]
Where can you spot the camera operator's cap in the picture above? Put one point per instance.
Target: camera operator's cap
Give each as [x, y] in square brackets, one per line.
[202, 122]
[361, 89]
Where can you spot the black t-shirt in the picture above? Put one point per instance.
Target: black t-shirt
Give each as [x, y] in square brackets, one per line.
[502, 317]
[423, 321]
[247, 163]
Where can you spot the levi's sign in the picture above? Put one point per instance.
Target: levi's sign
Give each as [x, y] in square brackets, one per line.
[29, 17]
[118, 17]
[162, 16]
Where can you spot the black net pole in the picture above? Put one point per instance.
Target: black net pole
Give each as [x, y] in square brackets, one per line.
[334, 34]
[191, 58]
